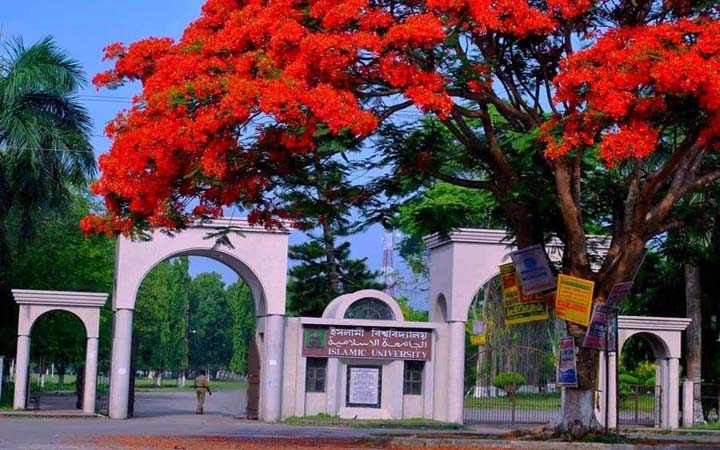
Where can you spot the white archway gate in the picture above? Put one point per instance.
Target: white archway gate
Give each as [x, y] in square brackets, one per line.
[462, 261]
[33, 304]
[258, 255]
[664, 334]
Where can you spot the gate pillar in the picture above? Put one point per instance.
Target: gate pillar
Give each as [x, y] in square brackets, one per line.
[91, 360]
[456, 372]
[271, 368]
[121, 363]
[22, 366]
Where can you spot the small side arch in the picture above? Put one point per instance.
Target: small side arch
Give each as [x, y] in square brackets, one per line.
[659, 346]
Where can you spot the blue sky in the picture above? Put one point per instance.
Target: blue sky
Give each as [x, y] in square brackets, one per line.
[84, 27]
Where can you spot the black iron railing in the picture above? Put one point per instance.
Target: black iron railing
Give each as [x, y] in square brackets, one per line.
[639, 405]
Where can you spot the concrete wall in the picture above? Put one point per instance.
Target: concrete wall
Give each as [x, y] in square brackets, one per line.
[395, 405]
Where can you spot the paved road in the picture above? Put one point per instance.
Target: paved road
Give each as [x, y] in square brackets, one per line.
[162, 404]
[157, 414]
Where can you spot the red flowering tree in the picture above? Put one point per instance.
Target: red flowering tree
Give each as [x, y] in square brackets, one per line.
[225, 111]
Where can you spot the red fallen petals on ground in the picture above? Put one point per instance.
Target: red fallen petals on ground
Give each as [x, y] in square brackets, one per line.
[227, 443]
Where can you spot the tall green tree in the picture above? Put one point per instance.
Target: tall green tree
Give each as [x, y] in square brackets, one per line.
[45, 147]
[60, 258]
[180, 284]
[45, 150]
[242, 308]
[152, 325]
[308, 286]
[211, 344]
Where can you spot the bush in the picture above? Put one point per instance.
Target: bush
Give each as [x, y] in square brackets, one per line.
[626, 378]
[650, 381]
[509, 381]
[644, 371]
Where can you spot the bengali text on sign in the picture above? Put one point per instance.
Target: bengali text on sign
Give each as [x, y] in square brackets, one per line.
[573, 299]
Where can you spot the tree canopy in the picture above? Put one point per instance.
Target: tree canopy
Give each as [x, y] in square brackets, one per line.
[607, 109]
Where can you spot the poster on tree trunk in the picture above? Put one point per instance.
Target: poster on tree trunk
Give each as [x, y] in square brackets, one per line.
[597, 333]
[618, 293]
[533, 269]
[517, 311]
[567, 369]
[573, 299]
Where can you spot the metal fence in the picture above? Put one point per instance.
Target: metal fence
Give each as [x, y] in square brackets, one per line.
[511, 385]
[639, 405]
[710, 401]
[7, 392]
[102, 394]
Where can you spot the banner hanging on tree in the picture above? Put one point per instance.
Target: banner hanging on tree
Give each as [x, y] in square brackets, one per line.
[567, 368]
[573, 299]
[596, 336]
[517, 311]
[618, 293]
[533, 269]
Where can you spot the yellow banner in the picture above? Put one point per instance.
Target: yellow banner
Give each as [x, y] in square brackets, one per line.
[477, 339]
[573, 301]
[517, 311]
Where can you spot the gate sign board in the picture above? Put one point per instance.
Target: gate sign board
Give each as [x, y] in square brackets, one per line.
[567, 370]
[363, 387]
[532, 266]
[573, 300]
[596, 336]
[366, 343]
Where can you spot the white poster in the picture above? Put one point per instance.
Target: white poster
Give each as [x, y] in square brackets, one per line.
[533, 269]
[364, 386]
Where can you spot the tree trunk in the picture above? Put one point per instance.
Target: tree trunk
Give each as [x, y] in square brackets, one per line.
[578, 404]
[693, 353]
[329, 241]
[61, 375]
[158, 377]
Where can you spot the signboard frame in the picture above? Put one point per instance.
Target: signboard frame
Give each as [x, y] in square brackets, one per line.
[517, 311]
[349, 404]
[533, 269]
[362, 342]
[596, 336]
[567, 366]
[573, 299]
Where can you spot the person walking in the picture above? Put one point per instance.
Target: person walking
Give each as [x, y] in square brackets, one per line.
[202, 386]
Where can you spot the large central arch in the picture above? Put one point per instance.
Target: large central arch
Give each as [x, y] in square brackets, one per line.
[259, 256]
[461, 262]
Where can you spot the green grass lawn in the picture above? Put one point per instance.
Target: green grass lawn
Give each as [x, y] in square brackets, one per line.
[707, 426]
[52, 384]
[418, 424]
[522, 401]
[170, 385]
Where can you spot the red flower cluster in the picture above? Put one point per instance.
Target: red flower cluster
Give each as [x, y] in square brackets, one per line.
[633, 82]
[225, 109]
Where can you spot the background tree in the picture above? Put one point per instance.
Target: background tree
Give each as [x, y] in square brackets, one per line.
[309, 281]
[634, 115]
[45, 146]
[58, 338]
[45, 151]
[152, 328]
[211, 343]
[242, 307]
[58, 258]
[180, 284]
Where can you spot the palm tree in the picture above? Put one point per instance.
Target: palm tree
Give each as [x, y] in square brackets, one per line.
[45, 149]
